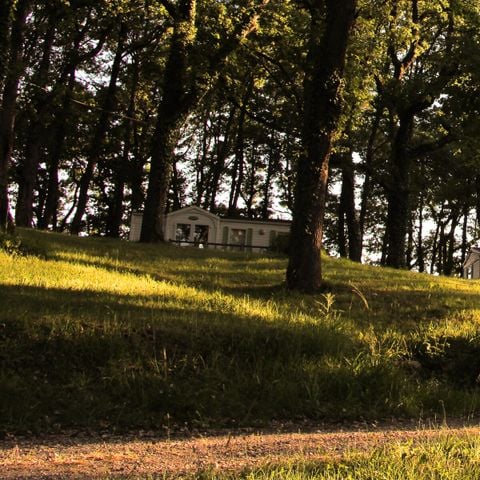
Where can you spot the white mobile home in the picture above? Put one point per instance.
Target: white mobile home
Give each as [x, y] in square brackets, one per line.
[196, 227]
[471, 267]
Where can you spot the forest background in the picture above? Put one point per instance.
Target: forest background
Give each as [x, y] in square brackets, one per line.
[110, 107]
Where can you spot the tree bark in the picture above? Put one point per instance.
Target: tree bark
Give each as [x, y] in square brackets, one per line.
[50, 212]
[435, 243]
[8, 107]
[36, 134]
[409, 249]
[341, 237]
[239, 160]
[115, 210]
[272, 168]
[449, 262]
[369, 159]
[398, 192]
[420, 250]
[5, 14]
[349, 210]
[464, 246]
[137, 166]
[218, 168]
[327, 47]
[172, 112]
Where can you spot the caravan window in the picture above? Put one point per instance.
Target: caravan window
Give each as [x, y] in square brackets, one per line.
[182, 232]
[200, 237]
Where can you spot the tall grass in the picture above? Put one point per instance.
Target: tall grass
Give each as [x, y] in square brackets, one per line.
[98, 333]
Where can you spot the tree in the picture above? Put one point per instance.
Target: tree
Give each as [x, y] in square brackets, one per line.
[38, 118]
[330, 27]
[14, 71]
[422, 64]
[185, 80]
[100, 131]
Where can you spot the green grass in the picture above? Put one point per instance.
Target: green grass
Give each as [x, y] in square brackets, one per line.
[105, 334]
[450, 458]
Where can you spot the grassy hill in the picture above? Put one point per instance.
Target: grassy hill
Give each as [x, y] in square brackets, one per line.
[105, 334]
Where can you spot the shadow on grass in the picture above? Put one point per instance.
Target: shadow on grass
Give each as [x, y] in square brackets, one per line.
[80, 358]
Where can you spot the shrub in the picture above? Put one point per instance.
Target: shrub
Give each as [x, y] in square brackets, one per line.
[10, 244]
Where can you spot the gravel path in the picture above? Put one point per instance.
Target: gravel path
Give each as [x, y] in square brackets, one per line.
[73, 456]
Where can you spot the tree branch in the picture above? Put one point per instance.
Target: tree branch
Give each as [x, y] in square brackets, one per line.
[428, 147]
[169, 7]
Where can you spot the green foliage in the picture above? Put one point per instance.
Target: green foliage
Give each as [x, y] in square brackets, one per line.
[99, 333]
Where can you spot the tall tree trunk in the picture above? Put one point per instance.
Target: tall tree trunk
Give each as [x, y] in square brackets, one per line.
[35, 138]
[398, 193]
[60, 127]
[239, 160]
[200, 165]
[250, 184]
[442, 249]
[383, 252]
[8, 107]
[100, 132]
[420, 249]
[341, 237]
[477, 205]
[137, 166]
[177, 189]
[435, 246]
[115, 205]
[369, 159]
[115, 211]
[223, 151]
[409, 249]
[172, 112]
[464, 246]
[327, 47]
[5, 18]
[450, 242]
[349, 209]
[287, 178]
[238, 167]
[272, 168]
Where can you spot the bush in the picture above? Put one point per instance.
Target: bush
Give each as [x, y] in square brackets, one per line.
[10, 244]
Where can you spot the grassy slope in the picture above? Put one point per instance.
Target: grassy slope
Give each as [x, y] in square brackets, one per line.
[96, 333]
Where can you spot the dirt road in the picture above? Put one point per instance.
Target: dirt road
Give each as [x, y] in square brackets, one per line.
[79, 456]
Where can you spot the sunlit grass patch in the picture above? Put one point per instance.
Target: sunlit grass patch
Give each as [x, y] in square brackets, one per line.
[106, 332]
[448, 458]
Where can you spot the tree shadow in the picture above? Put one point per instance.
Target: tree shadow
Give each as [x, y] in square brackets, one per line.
[85, 359]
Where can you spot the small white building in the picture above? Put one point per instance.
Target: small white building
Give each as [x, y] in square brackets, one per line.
[471, 267]
[194, 226]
